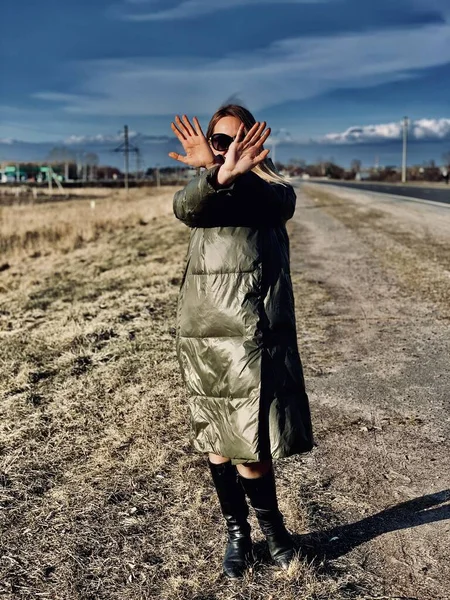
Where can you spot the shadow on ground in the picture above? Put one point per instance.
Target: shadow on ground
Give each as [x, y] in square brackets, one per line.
[338, 541]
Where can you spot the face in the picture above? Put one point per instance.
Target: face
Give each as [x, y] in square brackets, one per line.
[229, 126]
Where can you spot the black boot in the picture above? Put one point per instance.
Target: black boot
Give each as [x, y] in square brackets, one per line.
[238, 553]
[263, 498]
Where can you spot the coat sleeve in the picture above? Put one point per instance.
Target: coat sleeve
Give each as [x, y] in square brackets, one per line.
[250, 201]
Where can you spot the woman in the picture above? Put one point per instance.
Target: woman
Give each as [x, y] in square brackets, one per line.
[236, 336]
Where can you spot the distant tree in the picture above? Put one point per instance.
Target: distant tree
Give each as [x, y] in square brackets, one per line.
[296, 166]
[63, 156]
[298, 162]
[334, 171]
[388, 173]
[446, 159]
[169, 170]
[106, 172]
[279, 166]
[432, 172]
[314, 170]
[91, 161]
[355, 165]
[322, 164]
[91, 158]
[60, 154]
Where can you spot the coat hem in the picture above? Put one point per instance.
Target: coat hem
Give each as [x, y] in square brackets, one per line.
[238, 460]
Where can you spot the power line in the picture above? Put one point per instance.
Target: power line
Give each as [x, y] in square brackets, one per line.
[126, 148]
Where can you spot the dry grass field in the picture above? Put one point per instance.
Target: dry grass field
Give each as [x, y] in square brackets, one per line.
[66, 225]
[101, 495]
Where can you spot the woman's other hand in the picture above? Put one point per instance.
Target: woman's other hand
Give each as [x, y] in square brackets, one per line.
[244, 154]
[192, 138]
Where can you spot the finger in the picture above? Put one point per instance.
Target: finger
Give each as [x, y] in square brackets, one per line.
[262, 156]
[178, 133]
[251, 133]
[198, 127]
[188, 125]
[240, 133]
[178, 157]
[182, 127]
[263, 138]
[256, 135]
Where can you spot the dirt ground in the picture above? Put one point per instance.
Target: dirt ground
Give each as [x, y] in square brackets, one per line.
[101, 495]
[373, 322]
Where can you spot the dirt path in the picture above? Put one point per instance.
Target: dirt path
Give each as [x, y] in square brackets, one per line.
[372, 285]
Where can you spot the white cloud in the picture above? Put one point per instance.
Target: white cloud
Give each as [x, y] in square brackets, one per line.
[421, 129]
[287, 70]
[431, 128]
[101, 138]
[196, 8]
[386, 131]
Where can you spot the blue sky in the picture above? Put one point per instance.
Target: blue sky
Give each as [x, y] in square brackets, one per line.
[313, 69]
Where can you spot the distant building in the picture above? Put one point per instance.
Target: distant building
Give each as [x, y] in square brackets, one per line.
[12, 173]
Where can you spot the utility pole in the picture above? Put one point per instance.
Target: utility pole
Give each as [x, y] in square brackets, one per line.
[126, 148]
[138, 164]
[405, 142]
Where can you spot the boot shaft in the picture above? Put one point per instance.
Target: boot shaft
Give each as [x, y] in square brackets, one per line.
[262, 494]
[232, 499]
[238, 553]
[263, 498]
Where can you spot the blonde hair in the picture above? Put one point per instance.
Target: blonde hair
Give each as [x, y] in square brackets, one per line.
[266, 169]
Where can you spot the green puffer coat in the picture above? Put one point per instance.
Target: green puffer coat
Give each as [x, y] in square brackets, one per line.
[236, 335]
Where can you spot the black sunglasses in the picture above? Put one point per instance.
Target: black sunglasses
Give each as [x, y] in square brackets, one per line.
[221, 141]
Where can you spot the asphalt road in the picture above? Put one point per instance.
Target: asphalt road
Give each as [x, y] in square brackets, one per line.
[422, 193]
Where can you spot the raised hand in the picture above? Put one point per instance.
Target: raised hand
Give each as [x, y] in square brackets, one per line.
[244, 153]
[192, 138]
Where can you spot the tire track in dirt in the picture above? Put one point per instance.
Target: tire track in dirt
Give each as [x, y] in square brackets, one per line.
[374, 338]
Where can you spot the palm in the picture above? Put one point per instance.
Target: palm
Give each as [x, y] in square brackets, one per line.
[240, 159]
[192, 138]
[244, 154]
